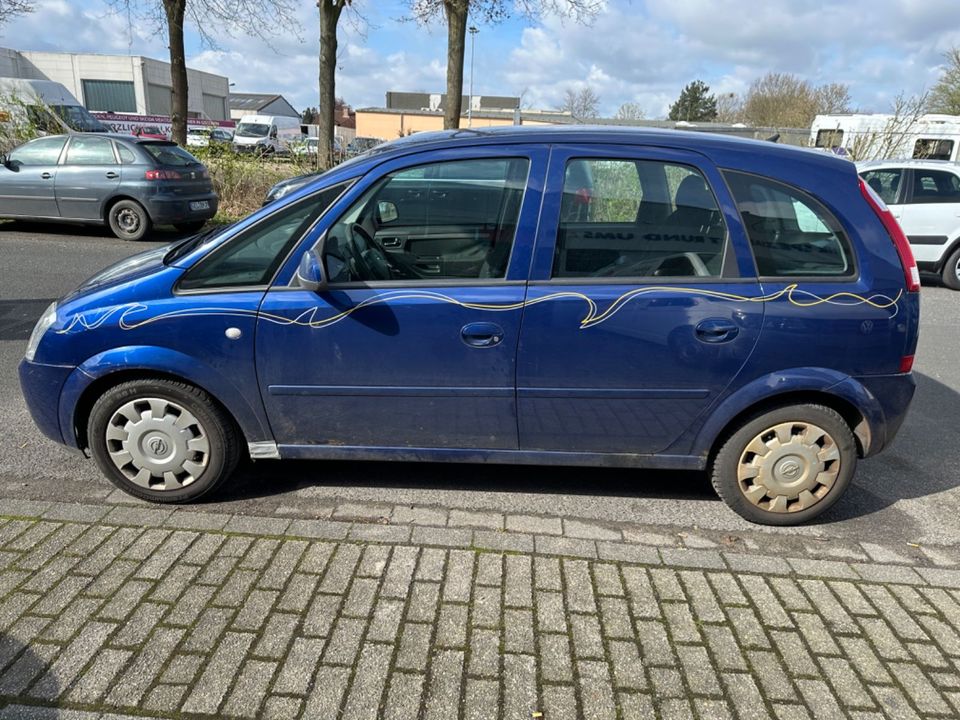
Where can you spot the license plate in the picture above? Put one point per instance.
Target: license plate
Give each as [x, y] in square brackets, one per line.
[200, 205]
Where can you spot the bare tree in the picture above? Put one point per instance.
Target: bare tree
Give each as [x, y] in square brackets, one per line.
[457, 14]
[729, 108]
[630, 111]
[784, 100]
[581, 104]
[888, 141]
[832, 98]
[330, 12]
[256, 18]
[10, 9]
[945, 95]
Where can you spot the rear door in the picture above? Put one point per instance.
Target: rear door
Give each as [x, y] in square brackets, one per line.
[88, 175]
[642, 305]
[930, 217]
[28, 178]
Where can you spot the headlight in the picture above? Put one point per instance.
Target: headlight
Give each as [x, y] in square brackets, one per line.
[43, 324]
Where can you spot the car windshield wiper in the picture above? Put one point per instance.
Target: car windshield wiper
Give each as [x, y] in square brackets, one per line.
[191, 243]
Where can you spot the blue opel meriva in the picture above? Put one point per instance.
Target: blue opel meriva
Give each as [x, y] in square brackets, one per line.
[620, 298]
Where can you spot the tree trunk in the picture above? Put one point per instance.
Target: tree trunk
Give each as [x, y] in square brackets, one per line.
[329, 17]
[174, 10]
[456, 12]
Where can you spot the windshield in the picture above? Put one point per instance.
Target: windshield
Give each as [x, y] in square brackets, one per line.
[168, 153]
[77, 118]
[252, 129]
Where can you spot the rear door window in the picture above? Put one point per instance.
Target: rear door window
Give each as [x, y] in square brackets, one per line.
[85, 150]
[637, 218]
[934, 186]
[791, 233]
[885, 183]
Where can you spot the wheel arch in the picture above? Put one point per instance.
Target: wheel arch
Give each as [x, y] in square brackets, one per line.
[113, 200]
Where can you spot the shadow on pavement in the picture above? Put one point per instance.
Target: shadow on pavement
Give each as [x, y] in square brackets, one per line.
[157, 234]
[21, 668]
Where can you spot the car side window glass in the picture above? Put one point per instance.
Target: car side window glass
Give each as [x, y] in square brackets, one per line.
[84, 150]
[791, 234]
[935, 186]
[452, 220]
[43, 151]
[885, 183]
[252, 258]
[637, 218]
[126, 154]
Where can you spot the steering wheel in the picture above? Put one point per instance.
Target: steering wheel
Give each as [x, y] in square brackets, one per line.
[369, 256]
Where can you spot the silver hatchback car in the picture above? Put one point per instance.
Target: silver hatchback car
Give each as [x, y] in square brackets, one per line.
[124, 182]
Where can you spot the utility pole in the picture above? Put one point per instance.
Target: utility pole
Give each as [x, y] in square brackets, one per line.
[473, 35]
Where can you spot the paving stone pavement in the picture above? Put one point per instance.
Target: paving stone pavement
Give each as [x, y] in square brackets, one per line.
[125, 611]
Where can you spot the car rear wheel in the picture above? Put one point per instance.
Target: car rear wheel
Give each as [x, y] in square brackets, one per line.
[128, 220]
[190, 227]
[786, 466]
[951, 270]
[162, 441]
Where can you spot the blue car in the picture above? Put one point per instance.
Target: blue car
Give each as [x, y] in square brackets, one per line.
[590, 297]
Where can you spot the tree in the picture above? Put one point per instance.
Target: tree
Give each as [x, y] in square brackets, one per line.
[784, 100]
[309, 116]
[457, 13]
[330, 14]
[582, 104]
[729, 108]
[889, 140]
[256, 18]
[945, 95]
[10, 9]
[694, 104]
[630, 111]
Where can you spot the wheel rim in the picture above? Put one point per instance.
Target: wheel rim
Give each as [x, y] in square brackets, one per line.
[788, 467]
[956, 269]
[128, 221]
[157, 444]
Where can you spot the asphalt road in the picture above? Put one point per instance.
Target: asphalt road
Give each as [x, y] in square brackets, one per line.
[909, 493]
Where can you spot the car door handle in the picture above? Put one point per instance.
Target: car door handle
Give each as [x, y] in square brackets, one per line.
[482, 334]
[717, 330]
[45, 175]
[112, 175]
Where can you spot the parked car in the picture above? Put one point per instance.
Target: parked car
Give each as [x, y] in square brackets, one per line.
[310, 146]
[266, 134]
[562, 296]
[126, 183]
[361, 145]
[924, 196]
[151, 132]
[204, 137]
[285, 187]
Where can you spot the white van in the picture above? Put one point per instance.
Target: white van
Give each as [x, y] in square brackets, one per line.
[46, 104]
[266, 134]
[887, 137]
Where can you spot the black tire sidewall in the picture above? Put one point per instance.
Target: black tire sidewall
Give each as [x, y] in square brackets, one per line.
[220, 434]
[725, 463]
[131, 205]
[949, 274]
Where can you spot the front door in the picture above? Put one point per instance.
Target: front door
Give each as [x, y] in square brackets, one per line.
[642, 304]
[413, 344]
[88, 175]
[27, 179]
[930, 217]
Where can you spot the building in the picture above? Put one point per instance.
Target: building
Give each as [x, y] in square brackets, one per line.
[438, 101]
[260, 104]
[120, 83]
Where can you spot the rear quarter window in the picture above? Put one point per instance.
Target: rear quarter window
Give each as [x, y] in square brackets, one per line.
[791, 234]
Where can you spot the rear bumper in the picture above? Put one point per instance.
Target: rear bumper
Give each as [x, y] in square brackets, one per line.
[171, 209]
[893, 395]
[41, 386]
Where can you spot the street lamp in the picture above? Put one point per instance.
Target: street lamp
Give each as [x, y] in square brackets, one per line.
[473, 36]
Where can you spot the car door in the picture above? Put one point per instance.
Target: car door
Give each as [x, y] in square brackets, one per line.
[642, 305]
[27, 179]
[409, 345]
[930, 216]
[88, 175]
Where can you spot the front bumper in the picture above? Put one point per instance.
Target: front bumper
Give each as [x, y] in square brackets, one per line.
[172, 209]
[41, 386]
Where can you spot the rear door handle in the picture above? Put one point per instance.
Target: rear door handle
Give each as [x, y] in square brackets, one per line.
[112, 175]
[717, 330]
[482, 334]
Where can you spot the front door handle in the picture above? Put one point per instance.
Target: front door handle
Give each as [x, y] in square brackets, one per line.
[717, 330]
[45, 175]
[112, 175]
[482, 334]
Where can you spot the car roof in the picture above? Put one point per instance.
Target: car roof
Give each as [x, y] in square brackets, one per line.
[930, 164]
[112, 136]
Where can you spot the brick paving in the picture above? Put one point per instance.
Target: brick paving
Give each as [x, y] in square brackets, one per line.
[128, 611]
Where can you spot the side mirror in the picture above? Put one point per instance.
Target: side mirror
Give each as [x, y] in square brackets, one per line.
[310, 271]
[386, 212]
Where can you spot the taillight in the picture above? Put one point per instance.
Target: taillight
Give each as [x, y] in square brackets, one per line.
[910, 270]
[906, 363]
[161, 175]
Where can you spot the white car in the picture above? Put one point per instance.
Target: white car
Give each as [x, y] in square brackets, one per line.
[924, 196]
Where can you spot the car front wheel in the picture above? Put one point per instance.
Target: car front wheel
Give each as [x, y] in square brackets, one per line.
[786, 466]
[162, 441]
[951, 270]
[128, 220]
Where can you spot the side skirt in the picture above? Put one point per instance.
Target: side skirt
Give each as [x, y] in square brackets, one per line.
[502, 457]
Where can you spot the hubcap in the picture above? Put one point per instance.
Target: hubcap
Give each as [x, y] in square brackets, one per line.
[157, 444]
[789, 467]
[128, 220]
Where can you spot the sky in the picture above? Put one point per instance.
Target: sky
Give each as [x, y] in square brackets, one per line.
[638, 51]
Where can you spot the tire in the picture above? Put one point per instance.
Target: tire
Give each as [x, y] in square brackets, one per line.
[951, 270]
[128, 220]
[190, 227]
[173, 429]
[812, 473]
